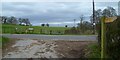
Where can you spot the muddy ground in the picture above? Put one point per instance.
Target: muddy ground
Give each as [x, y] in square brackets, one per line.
[72, 49]
[0, 53]
[32, 48]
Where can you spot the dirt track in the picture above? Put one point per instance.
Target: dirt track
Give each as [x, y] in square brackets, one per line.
[45, 49]
[74, 49]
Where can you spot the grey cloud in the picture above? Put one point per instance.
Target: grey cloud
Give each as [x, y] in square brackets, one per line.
[51, 12]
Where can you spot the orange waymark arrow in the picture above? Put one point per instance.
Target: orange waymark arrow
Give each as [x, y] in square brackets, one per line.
[110, 19]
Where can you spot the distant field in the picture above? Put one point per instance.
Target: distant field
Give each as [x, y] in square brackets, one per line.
[6, 28]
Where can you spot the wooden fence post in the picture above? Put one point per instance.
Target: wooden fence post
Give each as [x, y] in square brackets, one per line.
[103, 52]
[103, 34]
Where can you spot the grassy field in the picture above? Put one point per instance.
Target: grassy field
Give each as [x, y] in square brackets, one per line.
[10, 29]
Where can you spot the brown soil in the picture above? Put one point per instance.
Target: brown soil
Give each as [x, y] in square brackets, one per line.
[72, 49]
[0, 53]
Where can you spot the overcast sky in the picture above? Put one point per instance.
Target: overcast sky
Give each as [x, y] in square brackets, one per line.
[53, 13]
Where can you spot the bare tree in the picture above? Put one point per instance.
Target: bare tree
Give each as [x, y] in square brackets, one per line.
[98, 15]
[81, 21]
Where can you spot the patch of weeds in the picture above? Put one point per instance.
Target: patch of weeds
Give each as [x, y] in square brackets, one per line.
[93, 51]
[4, 40]
[0, 42]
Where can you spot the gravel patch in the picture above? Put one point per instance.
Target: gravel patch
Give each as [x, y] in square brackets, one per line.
[32, 49]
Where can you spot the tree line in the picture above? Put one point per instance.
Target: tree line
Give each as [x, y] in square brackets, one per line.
[86, 26]
[112, 34]
[81, 28]
[14, 20]
[107, 12]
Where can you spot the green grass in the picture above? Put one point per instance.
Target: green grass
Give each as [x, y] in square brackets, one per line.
[10, 29]
[3, 41]
[0, 41]
[94, 51]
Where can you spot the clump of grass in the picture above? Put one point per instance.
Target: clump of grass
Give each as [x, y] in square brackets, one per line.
[94, 51]
[3, 41]
[0, 41]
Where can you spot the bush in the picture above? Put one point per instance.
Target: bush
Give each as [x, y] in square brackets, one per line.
[73, 30]
[112, 38]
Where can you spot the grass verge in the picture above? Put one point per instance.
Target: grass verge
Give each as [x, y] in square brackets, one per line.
[93, 51]
[0, 42]
[3, 41]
